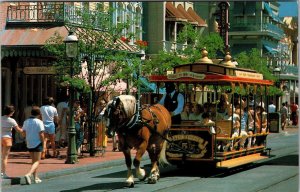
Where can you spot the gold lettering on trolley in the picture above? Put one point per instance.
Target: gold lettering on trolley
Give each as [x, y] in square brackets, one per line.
[201, 146]
[186, 74]
[249, 75]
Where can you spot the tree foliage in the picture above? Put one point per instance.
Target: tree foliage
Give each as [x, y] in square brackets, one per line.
[253, 60]
[104, 58]
[194, 42]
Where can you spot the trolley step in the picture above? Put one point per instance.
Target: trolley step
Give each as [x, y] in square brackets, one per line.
[240, 161]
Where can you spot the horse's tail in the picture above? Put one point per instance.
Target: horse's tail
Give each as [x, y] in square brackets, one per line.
[162, 161]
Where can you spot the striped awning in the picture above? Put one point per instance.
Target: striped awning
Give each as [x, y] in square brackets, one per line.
[196, 17]
[173, 13]
[186, 15]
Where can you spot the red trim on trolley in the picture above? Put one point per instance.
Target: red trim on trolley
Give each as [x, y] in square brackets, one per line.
[210, 78]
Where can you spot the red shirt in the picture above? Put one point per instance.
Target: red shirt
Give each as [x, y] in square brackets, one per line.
[294, 107]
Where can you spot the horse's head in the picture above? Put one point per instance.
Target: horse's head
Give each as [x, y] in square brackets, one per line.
[117, 113]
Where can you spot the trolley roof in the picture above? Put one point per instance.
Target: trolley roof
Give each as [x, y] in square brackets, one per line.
[206, 72]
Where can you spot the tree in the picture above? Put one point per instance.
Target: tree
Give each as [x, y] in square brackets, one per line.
[194, 43]
[253, 60]
[105, 57]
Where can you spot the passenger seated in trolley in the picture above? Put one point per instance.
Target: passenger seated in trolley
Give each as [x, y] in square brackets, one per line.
[243, 134]
[236, 125]
[197, 111]
[262, 119]
[215, 115]
[251, 116]
[223, 104]
[186, 113]
[206, 121]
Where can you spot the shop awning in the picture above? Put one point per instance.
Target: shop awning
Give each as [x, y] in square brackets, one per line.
[270, 13]
[196, 17]
[270, 49]
[173, 14]
[29, 41]
[30, 36]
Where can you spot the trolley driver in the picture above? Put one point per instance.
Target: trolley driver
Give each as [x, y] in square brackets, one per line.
[173, 102]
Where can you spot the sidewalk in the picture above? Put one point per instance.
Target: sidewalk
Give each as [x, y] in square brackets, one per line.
[19, 164]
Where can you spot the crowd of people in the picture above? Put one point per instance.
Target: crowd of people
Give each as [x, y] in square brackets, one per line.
[44, 129]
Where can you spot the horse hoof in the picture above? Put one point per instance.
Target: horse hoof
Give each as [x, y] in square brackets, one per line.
[129, 184]
[151, 180]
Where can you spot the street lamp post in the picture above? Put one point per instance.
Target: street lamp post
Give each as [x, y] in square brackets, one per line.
[71, 43]
[276, 73]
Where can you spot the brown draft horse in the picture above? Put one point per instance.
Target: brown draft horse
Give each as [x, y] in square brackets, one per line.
[121, 116]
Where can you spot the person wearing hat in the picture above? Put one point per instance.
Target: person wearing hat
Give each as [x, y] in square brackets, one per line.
[173, 101]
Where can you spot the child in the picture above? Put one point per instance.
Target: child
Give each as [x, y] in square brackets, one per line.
[33, 130]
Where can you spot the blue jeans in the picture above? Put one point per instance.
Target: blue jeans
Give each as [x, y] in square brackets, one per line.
[79, 135]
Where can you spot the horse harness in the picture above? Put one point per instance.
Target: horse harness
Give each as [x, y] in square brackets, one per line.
[137, 121]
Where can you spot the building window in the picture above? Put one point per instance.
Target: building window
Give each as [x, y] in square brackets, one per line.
[138, 24]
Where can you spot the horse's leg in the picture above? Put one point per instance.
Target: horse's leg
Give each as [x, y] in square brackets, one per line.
[154, 152]
[130, 178]
[141, 174]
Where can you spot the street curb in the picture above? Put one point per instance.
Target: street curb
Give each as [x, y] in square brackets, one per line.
[69, 171]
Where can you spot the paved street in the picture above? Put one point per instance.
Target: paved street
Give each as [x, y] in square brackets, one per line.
[278, 173]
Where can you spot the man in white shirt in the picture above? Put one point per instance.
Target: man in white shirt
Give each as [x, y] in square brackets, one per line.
[271, 107]
[173, 102]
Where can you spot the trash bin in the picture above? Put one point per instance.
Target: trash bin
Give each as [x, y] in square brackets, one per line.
[274, 122]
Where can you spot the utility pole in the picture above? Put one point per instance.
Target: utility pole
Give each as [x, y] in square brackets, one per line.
[222, 15]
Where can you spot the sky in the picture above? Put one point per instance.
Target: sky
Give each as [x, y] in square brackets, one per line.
[288, 8]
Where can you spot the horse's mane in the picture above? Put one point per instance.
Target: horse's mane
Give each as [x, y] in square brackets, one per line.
[128, 102]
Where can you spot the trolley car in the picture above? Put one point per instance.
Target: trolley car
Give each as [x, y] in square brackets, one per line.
[191, 142]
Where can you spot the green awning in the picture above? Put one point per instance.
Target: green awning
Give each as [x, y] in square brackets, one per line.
[23, 52]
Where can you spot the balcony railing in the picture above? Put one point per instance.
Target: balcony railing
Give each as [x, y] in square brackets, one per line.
[56, 14]
[35, 13]
[171, 46]
[277, 32]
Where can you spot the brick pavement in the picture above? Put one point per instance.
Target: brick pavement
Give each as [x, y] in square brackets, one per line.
[19, 163]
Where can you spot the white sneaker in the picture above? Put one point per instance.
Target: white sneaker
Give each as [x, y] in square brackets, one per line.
[28, 179]
[4, 176]
[37, 180]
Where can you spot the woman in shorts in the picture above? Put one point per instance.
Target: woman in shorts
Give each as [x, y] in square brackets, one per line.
[7, 124]
[34, 132]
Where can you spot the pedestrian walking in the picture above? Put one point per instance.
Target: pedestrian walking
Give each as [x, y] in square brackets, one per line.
[294, 117]
[101, 139]
[34, 133]
[49, 117]
[7, 124]
[284, 114]
[78, 114]
[61, 132]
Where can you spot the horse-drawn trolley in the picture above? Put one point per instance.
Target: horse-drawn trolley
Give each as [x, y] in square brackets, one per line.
[235, 99]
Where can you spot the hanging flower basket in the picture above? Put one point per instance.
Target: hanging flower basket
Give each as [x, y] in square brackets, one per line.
[141, 44]
[124, 39]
